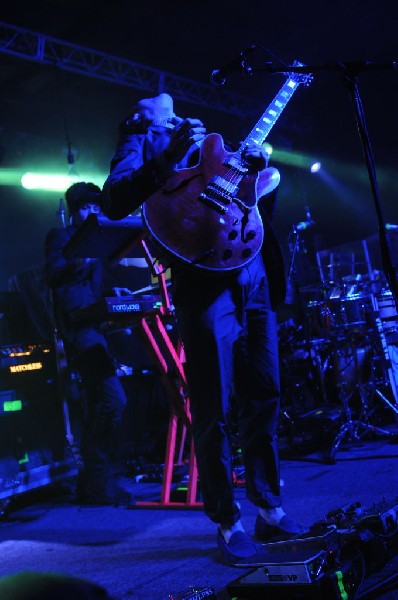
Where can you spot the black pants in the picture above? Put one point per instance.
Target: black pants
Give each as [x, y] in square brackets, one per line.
[106, 401]
[230, 338]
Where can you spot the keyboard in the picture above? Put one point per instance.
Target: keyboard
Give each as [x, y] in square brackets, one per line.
[116, 308]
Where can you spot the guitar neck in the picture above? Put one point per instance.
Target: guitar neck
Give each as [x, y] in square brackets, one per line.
[266, 122]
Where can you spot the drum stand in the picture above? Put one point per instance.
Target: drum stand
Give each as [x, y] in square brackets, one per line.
[354, 429]
[356, 426]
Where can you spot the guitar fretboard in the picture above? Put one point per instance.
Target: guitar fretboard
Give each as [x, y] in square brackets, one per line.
[266, 122]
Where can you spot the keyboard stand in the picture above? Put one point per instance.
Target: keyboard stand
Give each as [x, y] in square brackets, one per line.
[168, 358]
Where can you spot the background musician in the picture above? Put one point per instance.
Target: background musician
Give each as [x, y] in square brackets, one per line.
[228, 326]
[77, 283]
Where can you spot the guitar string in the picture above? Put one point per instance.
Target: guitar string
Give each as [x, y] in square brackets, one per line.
[232, 177]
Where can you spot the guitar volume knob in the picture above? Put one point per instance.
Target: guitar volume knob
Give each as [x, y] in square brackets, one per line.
[227, 254]
[233, 235]
[251, 234]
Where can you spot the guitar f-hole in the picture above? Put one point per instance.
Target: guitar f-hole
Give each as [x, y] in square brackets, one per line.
[203, 257]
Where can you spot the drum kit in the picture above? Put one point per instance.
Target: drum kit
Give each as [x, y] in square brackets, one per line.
[339, 370]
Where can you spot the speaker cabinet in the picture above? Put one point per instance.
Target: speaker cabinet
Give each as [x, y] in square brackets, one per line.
[33, 445]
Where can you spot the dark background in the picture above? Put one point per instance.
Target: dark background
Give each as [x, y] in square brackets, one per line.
[44, 107]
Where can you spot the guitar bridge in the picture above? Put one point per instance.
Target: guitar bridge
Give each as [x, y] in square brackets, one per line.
[212, 203]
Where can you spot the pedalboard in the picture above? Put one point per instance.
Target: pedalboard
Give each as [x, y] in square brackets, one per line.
[329, 562]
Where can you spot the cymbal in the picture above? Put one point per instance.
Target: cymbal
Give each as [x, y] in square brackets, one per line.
[354, 278]
[310, 288]
[343, 263]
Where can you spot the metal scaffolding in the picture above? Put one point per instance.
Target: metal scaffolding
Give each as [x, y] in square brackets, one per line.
[43, 49]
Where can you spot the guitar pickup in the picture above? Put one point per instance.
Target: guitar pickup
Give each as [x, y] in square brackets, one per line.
[212, 203]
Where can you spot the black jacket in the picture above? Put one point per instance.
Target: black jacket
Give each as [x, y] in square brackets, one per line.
[137, 171]
[75, 284]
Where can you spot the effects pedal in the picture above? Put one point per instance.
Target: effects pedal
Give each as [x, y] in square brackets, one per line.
[193, 593]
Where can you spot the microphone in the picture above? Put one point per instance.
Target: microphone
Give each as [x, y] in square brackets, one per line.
[236, 65]
[305, 224]
[391, 227]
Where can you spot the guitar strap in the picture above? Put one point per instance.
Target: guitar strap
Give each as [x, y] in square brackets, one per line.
[271, 252]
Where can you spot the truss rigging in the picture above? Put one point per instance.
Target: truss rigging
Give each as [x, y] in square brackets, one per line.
[40, 48]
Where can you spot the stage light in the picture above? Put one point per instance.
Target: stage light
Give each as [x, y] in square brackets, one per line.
[268, 148]
[296, 159]
[315, 167]
[51, 182]
[10, 176]
[289, 157]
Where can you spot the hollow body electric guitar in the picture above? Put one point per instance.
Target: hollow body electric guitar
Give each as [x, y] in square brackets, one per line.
[207, 216]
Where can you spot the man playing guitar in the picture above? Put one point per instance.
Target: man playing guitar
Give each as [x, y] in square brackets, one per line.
[210, 212]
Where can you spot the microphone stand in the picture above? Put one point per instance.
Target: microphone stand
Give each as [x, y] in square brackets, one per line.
[314, 361]
[291, 279]
[350, 81]
[61, 212]
[351, 72]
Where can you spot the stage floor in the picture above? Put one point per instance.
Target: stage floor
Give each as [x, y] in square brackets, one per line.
[158, 553]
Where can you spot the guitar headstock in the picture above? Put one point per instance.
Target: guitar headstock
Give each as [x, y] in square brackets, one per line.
[304, 78]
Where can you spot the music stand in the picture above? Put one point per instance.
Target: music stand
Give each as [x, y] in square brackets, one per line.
[100, 237]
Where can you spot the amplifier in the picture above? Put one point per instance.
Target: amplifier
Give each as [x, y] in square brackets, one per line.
[33, 444]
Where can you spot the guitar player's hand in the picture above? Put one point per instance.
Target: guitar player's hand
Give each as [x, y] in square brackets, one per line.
[255, 158]
[185, 133]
